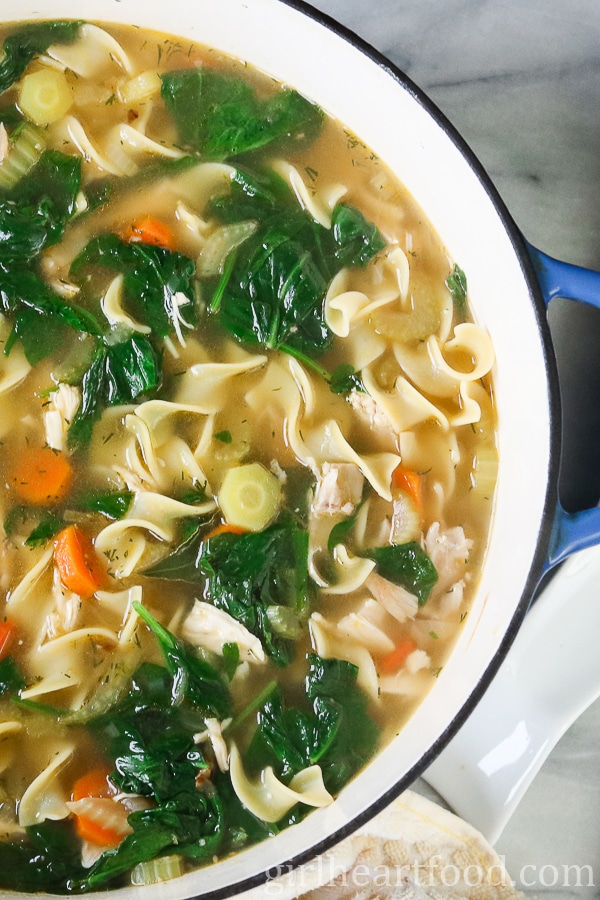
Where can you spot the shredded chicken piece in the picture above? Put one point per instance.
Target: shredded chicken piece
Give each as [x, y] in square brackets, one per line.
[368, 407]
[277, 471]
[214, 735]
[416, 661]
[449, 551]
[396, 600]
[339, 489]
[67, 607]
[58, 414]
[210, 627]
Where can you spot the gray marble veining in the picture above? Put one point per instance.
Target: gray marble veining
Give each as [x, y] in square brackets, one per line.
[520, 80]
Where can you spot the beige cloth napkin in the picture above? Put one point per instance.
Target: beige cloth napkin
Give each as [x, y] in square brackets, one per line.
[412, 850]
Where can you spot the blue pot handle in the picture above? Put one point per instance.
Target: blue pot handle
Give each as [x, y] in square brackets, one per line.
[570, 531]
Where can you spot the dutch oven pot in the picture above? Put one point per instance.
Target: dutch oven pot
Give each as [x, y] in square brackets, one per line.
[510, 285]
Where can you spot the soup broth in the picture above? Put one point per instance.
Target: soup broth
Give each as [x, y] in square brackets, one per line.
[248, 456]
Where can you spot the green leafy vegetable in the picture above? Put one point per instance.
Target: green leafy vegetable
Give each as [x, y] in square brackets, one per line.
[334, 730]
[49, 861]
[155, 280]
[355, 240]
[119, 374]
[34, 213]
[246, 574]
[345, 378]
[456, 283]
[11, 679]
[272, 288]
[407, 565]
[150, 735]
[193, 678]
[231, 658]
[20, 47]
[44, 530]
[220, 115]
[112, 504]
[40, 318]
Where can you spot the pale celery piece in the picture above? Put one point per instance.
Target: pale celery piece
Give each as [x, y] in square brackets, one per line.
[250, 497]
[45, 96]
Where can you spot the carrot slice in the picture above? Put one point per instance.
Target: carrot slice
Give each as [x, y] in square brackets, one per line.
[42, 476]
[409, 481]
[94, 783]
[225, 528]
[98, 818]
[149, 230]
[101, 820]
[8, 632]
[95, 833]
[77, 562]
[396, 657]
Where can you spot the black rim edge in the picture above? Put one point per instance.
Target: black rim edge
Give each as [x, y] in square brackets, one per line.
[540, 557]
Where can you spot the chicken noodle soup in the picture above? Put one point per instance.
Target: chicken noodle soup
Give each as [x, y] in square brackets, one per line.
[248, 456]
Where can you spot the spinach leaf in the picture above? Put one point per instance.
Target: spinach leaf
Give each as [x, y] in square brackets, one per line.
[456, 283]
[149, 734]
[112, 504]
[345, 378]
[273, 287]
[49, 861]
[155, 279]
[356, 241]
[333, 730]
[194, 831]
[220, 115]
[331, 686]
[34, 213]
[251, 195]
[39, 317]
[11, 679]
[246, 574]
[274, 293]
[407, 565]
[119, 374]
[20, 47]
[193, 678]
[46, 528]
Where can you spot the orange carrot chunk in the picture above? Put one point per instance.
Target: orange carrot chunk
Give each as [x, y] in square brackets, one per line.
[94, 783]
[149, 230]
[225, 528]
[409, 481]
[96, 833]
[397, 657]
[8, 633]
[42, 476]
[77, 562]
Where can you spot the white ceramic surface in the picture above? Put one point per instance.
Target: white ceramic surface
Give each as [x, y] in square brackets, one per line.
[393, 124]
[550, 676]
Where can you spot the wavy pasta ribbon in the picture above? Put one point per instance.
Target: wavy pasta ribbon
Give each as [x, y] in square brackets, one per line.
[322, 442]
[332, 643]
[268, 798]
[92, 51]
[319, 204]
[45, 798]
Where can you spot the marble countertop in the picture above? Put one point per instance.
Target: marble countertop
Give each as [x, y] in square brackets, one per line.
[520, 79]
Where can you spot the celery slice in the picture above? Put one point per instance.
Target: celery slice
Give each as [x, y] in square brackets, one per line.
[153, 871]
[26, 145]
[250, 496]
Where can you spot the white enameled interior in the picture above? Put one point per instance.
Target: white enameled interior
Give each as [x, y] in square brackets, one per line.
[386, 116]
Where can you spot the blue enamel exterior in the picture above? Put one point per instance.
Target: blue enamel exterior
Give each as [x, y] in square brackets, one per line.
[570, 531]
